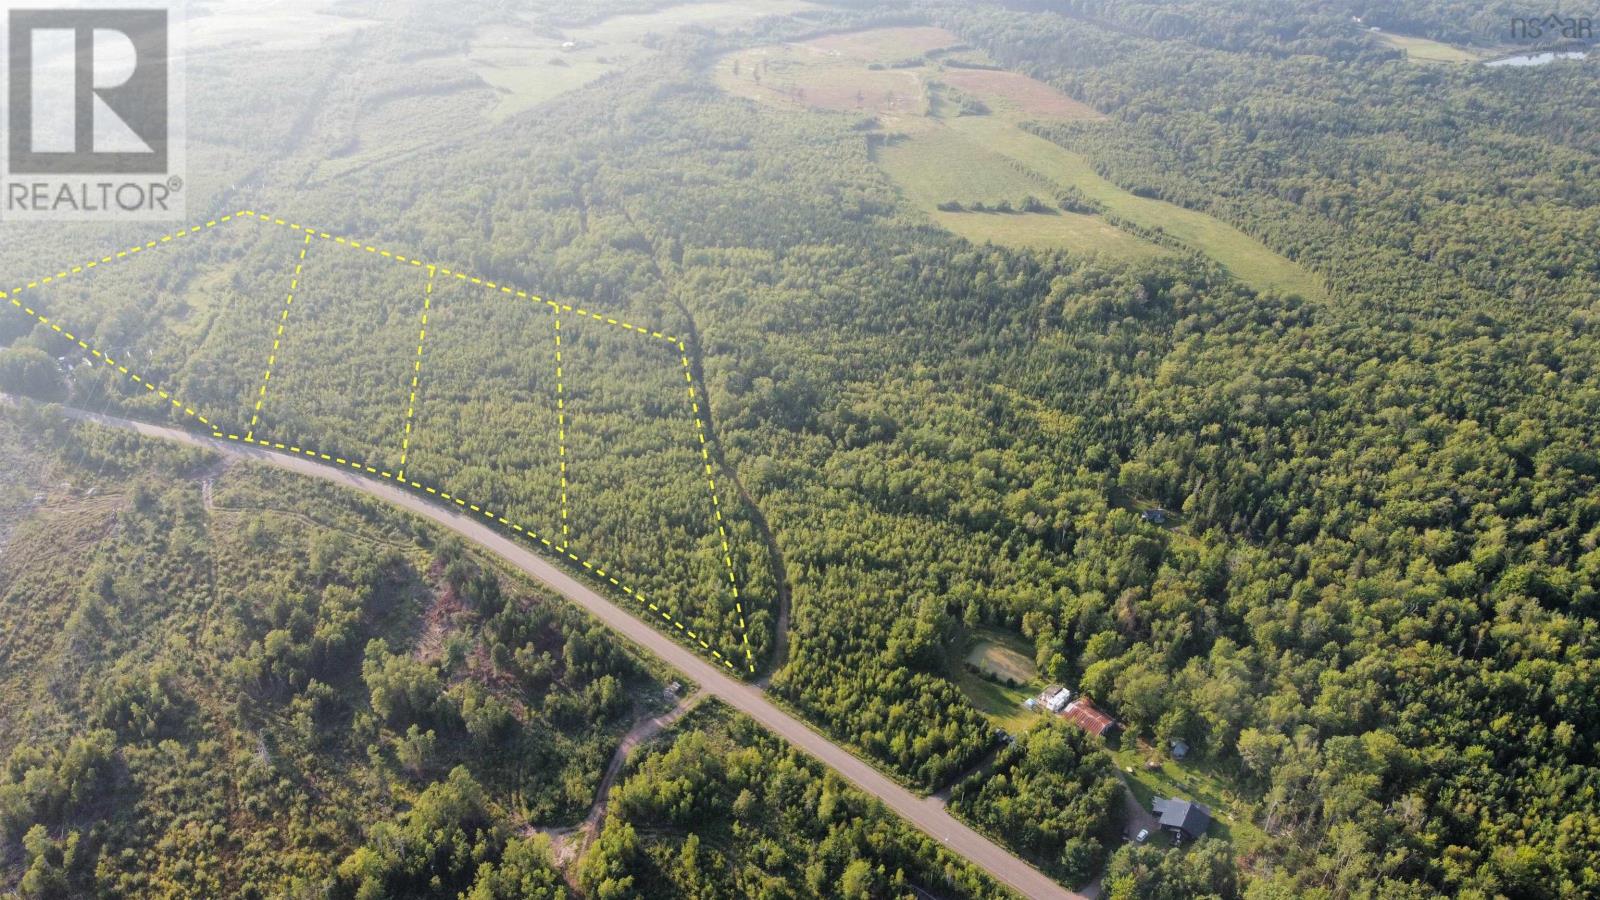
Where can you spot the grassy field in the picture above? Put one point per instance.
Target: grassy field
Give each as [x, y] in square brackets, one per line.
[1244, 256]
[1422, 50]
[528, 70]
[1196, 781]
[938, 157]
[1007, 655]
[798, 77]
[1050, 231]
[936, 164]
[528, 67]
[1003, 661]
[1017, 96]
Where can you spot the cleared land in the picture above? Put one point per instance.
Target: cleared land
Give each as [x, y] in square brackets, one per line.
[1247, 258]
[970, 167]
[803, 78]
[938, 164]
[1002, 662]
[1002, 656]
[529, 67]
[1422, 50]
[1196, 781]
[1018, 94]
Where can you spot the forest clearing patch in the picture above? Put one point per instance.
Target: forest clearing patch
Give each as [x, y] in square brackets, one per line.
[1016, 92]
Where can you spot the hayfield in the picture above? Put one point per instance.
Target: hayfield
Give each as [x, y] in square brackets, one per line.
[1423, 50]
[528, 67]
[1002, 662]
[1018, 94]
[1048, 231]
[790, 76]
[937, 164]
[1247, 258]
[939, 158]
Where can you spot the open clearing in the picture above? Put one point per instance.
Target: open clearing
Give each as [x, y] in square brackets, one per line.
[270, 26]
[529, 66]
[1018, 94]
[1247, 258]
[1048, 231]
[1003, 655]
[1002, 662]
[1197, 781]
[801, 78]
[1422, 50]
[947, 162]
[937, 165]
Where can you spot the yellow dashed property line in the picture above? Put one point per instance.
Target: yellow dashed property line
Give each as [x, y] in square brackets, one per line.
[497, 518]
[716, 505]
[416, 371]
[561, 426]
[399, 475]
[93, 353]
[277, 339]
[489, 284]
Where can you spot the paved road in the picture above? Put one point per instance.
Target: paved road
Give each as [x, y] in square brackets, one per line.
[928, 814]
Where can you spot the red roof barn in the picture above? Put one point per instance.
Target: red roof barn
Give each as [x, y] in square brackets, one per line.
[1083, 714]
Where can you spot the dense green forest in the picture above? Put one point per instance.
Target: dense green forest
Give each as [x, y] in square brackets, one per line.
[224, 677]
[1054, 793]
[1374, 609]
[723, 811]
[232, 683]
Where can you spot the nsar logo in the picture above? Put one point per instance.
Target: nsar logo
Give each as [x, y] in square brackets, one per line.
[1551, 27]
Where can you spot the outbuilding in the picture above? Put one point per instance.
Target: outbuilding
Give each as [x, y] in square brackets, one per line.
[1083, 714]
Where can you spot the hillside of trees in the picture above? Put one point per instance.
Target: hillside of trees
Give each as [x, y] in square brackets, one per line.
[1375, 609]
[226, 682]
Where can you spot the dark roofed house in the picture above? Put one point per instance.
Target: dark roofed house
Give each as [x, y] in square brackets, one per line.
[1083, 714]
[1185, 820]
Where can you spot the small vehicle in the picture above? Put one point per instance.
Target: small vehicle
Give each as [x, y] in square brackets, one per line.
[1142, 836]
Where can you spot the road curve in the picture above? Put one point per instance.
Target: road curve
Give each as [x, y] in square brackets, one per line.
[927, 814]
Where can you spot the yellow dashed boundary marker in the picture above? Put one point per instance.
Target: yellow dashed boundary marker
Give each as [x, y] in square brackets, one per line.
[716, 505]
[561, 427]
[416, 371]
[399, 476]
[277, 339]
[94, 353]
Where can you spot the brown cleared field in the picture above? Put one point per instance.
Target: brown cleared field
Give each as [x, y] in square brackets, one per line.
[871, 92]
[884, 45]
[1002, 662]
[1018, 93]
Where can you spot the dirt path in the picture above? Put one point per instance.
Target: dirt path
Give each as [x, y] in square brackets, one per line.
[569, 844]
[780, 571]
[775, 562]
